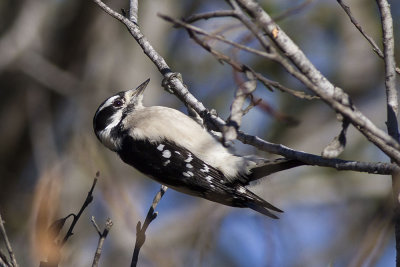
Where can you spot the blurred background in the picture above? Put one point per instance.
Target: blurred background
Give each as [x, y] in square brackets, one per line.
[60, 59]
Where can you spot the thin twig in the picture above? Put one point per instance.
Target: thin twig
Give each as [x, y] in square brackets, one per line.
[382, 168]
[141, 230]
[7, 242]
[95, 225]
[54, 257]
[102, 237]
[88, 200]
[353, 20]
[238, 66]
[209, 15]
[292, 10]
[272, 55]
[4, 261]
[218, 37]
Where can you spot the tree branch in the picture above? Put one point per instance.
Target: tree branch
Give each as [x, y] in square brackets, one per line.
[102, 237]
[198, 30]
[54, 256]
[273, 55]
[336, 98]
[141, 230]
[314, 160]
[332, 95]
[392, 106]
[353, 20]
[13, 260]
[133, 11]
[88, 200]
[209, 15]
[235, 118]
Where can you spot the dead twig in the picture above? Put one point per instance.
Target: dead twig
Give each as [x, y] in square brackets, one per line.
[141, 230]
[209, 15]
[54, 259]
[292, 10]
[88, 200]
[102, 237]
[353, 20]
[12, 260]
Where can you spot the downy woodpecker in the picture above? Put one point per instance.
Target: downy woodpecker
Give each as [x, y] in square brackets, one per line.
[173, 149]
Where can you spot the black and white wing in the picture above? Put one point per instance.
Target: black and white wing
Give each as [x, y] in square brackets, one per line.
[178, 168]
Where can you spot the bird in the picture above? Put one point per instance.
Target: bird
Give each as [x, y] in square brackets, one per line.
[175, 150]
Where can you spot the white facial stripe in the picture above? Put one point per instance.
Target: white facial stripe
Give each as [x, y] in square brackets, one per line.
[115, 119]
[105, 135]
[108, 102]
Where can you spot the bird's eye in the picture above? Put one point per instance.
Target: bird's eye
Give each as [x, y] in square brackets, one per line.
[118, 103]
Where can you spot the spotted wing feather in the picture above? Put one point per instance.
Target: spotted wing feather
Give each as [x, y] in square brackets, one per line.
[178, 168]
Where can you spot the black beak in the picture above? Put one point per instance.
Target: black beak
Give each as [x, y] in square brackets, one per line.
[138, 91]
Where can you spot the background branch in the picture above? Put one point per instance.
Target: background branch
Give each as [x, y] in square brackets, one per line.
[141, 230]
[102, 237]
[13, 260]
[353, 20]
[55, 254]
[88, 200]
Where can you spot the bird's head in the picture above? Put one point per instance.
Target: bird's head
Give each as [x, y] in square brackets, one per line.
[107, 121]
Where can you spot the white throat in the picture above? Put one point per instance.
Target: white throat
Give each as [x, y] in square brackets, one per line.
[106, 136]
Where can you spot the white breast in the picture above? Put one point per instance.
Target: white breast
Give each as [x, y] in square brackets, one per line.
[158, 123]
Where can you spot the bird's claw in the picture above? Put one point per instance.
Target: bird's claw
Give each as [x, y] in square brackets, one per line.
[166, 82]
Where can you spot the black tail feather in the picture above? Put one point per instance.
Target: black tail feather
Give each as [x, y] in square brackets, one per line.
[261, 209]
[273, 166]
[258, 204]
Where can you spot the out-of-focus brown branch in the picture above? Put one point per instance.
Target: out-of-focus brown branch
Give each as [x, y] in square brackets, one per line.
[293, 10]
[54, 259]
[102, 237]
[12, 260]
[353, 20]
[24, 31]
[48, 74]
[141, 230]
